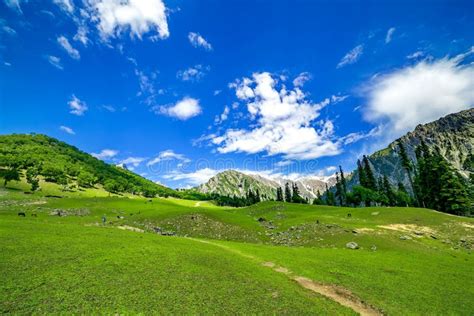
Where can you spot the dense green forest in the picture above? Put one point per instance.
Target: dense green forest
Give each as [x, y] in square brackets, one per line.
[55, 161]
[434, 184]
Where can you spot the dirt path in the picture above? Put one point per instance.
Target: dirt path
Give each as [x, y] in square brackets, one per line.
[336, 293]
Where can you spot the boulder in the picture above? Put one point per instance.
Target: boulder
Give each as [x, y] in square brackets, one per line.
[352, 245]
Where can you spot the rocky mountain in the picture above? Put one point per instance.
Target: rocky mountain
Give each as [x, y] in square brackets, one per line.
[235, 183]
[452, 136]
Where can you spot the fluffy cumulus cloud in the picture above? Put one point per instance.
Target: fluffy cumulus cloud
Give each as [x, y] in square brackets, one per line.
[138, 17]
[284, 122]
[166, 156]
[198, 41]
[67, 130]
[77, 107]
[193, 73]
[420, 93]
[388, 36]
[55, 61]
[183, 110]
[64, 43]
[352, 56]
[106, 154]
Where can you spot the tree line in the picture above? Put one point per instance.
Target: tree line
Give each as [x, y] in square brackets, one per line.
[434, 184]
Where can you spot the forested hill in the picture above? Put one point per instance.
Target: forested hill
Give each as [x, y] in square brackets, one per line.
[451, 136]
[55, 161]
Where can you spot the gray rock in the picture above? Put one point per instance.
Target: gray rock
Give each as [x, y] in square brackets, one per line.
[373, 248]
[405, 237]
[352, 245]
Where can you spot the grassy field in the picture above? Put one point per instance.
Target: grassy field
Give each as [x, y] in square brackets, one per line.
[226, 260]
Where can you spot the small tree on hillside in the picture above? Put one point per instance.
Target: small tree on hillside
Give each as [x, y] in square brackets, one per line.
[10, 174]
[32, 178]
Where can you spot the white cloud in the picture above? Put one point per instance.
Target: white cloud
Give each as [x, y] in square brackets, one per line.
[14, 4]
[77, 106]
[81, 35]
[64, 42]
[182, 110]
[55, 61]
[67, 130]
[65, 5]
[301, 79]
[106, 154]
[194, 178]
[352, 56]
[138, 17]
[192, 73]
[198, 41]
[416, 55]
[224, 116]
[8, 30]
[388, 37]
[168, 155]
[146, 82]
[284, 122]
[109, 108]
[404, 98]
[134, 161]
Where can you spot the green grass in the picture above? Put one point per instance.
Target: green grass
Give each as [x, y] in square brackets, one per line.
[53, 264]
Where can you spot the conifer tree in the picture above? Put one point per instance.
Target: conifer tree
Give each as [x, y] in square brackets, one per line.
[369, 175]
[287, 193]
[343, 182]
[361, 172]
[339, 192]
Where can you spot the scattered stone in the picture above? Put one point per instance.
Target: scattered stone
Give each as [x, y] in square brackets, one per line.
[120, 217]
[157, 230]
[373, 248]
[261, 219]
[352, 245]
[375, 213]
[418, 233]
[405, 237]
[169, 233]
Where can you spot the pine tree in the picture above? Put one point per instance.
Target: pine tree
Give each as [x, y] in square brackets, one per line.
[330, 200]
[361, 173]
[369, 175]
[257, 197]
[318, 200]
[287, 193]
[343, 182]
[296, 198]
[388, 191]
[339, 192]
[279, 194]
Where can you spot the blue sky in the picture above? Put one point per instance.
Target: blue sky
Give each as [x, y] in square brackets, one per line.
[179, 90]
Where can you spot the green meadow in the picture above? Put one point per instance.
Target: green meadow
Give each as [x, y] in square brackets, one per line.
[87, 252]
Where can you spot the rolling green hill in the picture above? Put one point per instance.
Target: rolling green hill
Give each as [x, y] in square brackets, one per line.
[57, 162]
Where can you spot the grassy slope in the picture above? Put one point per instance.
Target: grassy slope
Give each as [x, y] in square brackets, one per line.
[55, 263]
